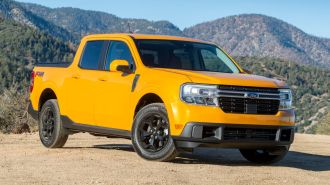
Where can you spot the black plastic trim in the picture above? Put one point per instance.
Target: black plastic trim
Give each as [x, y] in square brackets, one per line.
[78, 127]
[34, 114]
[60, 64]
[227, 144]
[135, 81]
[190, 138]
[104, 53]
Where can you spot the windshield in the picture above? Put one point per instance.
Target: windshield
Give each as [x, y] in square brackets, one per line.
[184, 55]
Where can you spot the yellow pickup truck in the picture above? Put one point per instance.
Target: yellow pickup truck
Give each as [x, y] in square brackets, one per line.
[167, 94]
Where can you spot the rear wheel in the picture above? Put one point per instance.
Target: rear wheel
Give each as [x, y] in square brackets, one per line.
[51, 131]
[264, 156]
[150, 134]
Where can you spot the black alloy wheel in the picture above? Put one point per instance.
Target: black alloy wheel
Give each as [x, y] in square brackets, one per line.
[47, 125]
[153, 133]
[151, 136]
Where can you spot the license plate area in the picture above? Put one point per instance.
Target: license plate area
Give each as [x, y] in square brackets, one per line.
[251, 108]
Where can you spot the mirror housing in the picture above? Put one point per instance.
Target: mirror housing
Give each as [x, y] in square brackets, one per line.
[120, 65]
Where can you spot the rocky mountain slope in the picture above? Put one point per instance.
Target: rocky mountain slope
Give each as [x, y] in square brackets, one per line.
[326, 42]
[259, 35]
[242, 35]
[82, 22]
[14, 11]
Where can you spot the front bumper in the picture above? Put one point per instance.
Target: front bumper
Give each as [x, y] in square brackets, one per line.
[234, 136]
[181, 113]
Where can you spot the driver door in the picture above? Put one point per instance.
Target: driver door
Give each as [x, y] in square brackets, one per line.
[113, 89]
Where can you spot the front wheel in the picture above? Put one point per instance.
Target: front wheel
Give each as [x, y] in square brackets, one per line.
[151, 135]
[264, 156]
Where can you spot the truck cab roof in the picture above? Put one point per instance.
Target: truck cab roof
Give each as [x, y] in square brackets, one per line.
[145, 37]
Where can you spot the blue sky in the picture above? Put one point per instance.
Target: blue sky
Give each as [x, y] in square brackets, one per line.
[312, 16]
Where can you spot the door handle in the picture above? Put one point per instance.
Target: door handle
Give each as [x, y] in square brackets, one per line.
[76, 76]
[103, 79]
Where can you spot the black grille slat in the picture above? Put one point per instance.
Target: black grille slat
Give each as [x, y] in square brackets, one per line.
[242, 105]
[238, 105]
[249, 134]
[250, 89]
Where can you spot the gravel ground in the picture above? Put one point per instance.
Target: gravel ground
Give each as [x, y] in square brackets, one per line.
[95, 160]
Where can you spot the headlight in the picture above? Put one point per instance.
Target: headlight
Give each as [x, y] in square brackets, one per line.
[199, 94]
[285, 99]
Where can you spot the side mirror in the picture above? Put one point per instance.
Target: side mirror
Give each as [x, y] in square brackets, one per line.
[247, 71]
[120, 65]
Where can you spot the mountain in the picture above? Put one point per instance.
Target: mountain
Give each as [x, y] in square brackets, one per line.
[82, 22]
[326, 42]
[242, 35]
[263, 36]
[14, 11]
[21, 47]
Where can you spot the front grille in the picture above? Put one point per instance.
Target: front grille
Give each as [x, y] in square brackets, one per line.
[249, 89]
[248, 106]
[249, 134]
[234, 99]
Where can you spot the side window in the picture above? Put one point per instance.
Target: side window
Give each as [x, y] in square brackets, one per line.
[118, 51]
[92, 55]
[150, 58]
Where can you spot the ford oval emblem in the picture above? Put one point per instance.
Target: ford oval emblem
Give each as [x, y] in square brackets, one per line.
[252, 95]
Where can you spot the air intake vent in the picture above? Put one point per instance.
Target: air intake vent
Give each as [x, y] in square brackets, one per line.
[249, 134]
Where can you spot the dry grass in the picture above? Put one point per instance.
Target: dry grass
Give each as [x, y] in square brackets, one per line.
[324, 126]
[14, 117]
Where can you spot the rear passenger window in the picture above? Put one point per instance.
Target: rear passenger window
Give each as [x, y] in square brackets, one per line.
[118, 51]
[92, 55]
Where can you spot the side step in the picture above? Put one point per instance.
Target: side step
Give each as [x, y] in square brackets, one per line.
[94, 130]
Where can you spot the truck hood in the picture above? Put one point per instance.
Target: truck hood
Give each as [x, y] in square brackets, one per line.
[234, 79]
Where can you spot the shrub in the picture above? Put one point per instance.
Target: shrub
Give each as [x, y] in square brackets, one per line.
[324, 126]
[14, 117]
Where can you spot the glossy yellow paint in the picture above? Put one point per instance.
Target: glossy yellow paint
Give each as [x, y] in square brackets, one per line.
[116, 63]
[104, 98]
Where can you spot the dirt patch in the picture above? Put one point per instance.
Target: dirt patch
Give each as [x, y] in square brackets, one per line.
[95, 160]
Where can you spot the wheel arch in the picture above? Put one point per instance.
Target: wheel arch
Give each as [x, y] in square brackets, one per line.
[46, 94]
[168, 99]
[147, 99]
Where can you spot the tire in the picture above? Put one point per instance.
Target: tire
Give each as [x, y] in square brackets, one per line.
[51, 131]
[151, 134]
[264, 156]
